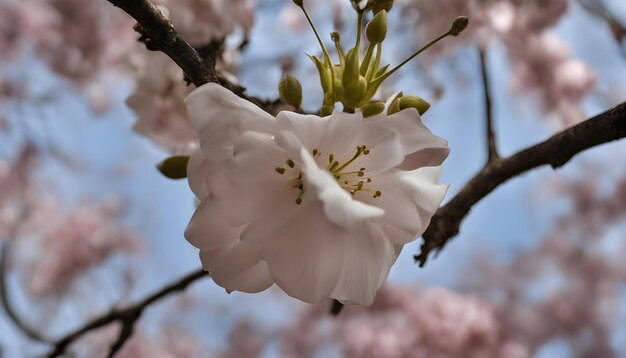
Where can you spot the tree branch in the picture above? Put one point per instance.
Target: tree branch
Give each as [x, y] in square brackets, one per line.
[556, 151]
[159, 35]
[492, 151]
[127, 316]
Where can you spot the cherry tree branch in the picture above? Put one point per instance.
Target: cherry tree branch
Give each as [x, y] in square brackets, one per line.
[492, 151]
[159, 35]
[127, 316]
[556, 151]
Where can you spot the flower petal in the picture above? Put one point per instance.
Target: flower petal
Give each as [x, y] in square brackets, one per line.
[197, 174]
[237, 268]
[305, 254]
[208, 230]
[339, 207]
[419, 146]
[220, 116]
[368, 257]
[251, 186]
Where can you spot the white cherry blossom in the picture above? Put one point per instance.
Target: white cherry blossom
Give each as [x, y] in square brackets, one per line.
[319, 206]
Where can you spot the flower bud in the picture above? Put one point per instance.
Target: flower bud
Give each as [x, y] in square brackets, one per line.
[380, 5]
[394, 107]
[459, 25]
[290, 90]
[372, 109]
[351, 72]
[376, 29]
[174, 167]
[354, 92]
[414, 102]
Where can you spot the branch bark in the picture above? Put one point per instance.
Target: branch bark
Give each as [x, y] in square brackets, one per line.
[492, 150]
[556, 151]
[161, 36]
[127, 316]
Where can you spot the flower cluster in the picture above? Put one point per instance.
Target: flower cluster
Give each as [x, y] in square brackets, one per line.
[405, 322]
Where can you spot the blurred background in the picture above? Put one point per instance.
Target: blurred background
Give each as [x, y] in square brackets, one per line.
[88, 223]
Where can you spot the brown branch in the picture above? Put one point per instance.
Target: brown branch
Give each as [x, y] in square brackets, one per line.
[492, 151]
[556, 151]
[127, 316]
[159, 35]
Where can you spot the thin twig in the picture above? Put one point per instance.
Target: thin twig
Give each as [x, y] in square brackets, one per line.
[127, 316]
[6, 303]
[556, 151]
[492, 151]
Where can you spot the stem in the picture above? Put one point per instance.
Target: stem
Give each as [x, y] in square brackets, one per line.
[319, 39]
[430, 44]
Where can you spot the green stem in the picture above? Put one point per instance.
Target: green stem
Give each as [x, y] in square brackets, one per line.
[430, 44]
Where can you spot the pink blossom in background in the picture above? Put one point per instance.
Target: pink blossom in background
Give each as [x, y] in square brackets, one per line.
[405, 321]
[203, 21]
[90, 38]
[166, 342]
[541, 62]
[70, 244]
[158, 103]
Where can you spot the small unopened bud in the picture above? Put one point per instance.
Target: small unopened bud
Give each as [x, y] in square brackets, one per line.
[459, 25]
[414, 102]
[174, 167]
[299, 2]
[376, 29]
[380, 5]
[394, 107]
[290, 90]
[372, 109]
[335, 36]
[354, 92]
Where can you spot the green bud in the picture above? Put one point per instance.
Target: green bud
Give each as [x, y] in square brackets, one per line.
[372, 109]
[394, 107]
[414, 102]
[174, 167]
[380, 5]
[290, 90]
[376, 29]
[354, 92]
[459, 25]
[351, 72]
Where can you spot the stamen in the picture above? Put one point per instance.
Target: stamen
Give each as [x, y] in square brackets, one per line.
[290, 163]
[280, 170]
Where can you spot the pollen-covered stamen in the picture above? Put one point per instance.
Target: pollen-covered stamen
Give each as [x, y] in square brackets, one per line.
[352, 181]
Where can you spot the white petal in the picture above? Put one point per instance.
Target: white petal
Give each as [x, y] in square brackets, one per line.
[220, 117]
[419, 145]
[197, 174]
[308, 129]
[212, 104]
[251, 187]
[339, 207]
[208, 230]
[237, 268]
[305, 255]
[385, 150]
[367, 260]
[421, 187]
